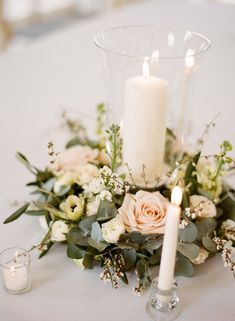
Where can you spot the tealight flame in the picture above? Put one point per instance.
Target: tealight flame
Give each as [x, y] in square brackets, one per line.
[155, 57]
[176, 196]
[146, 68]
[189, 59]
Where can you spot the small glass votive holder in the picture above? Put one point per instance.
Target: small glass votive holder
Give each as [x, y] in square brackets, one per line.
[15, 270]
[163, 305]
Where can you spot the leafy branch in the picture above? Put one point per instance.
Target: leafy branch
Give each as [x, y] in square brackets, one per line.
[114, 149]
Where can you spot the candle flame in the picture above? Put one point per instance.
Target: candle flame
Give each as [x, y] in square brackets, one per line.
[146, 68]
[176, 196]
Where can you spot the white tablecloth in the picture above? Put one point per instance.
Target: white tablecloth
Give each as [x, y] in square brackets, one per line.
[64, 71]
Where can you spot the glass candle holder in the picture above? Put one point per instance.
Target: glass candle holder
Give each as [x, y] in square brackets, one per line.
[150, 73]
[15, 270]
[163, 305]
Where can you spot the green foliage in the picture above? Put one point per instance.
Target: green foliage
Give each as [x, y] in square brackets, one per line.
[205, 227]
[17, 214]
[75, 252]
[115, 146]
[209, 244]
[189, 233]
[183, 266]
[106, 211]
[189, 250]
[129, 258]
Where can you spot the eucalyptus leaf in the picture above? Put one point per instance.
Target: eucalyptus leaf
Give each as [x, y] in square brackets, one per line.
[183, 266]
[88, 262]
[63, 190]
[100, 246]
[17, 213]
[155, 258]
[189, 250]
[48, 185]
[86, 224]
[135, 237]
[129, 258]
[141, 268]
[106, 210]
[76, 236]
[75, 252]
[189, 233]
[205, 227]
[204, 193]
[124, 279]
[96, 233]
[152, 245]
[209, 244]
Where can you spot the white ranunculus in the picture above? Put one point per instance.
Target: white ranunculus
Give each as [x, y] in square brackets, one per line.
[64, 180]
[85, 173]
[92, 206]
[201, 258]
[59, 229]
[112, 230]
[202, 206]
[73, 207]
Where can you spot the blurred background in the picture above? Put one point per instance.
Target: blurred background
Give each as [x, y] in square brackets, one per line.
[23, 21]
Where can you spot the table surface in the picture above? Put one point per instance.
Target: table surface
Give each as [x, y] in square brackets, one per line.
[63, 71]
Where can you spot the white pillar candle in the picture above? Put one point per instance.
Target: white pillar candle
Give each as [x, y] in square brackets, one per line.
[167, 266]
[16, 277]
[144, 125]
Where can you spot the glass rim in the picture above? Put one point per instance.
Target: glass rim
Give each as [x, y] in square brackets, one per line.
[11, 248]
[160, 27]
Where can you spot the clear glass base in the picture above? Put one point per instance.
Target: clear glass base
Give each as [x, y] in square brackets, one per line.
[163, 305]
[19, 291]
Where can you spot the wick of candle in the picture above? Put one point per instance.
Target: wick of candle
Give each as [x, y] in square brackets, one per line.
[146, 68]
[13, 270]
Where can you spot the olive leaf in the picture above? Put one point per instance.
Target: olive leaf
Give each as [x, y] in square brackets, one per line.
[17, 213]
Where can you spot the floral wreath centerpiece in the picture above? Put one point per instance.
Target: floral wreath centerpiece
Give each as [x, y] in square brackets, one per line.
[84, 201]
[108, 198]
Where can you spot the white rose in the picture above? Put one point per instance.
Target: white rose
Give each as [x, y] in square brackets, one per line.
[84, 174]
[92, 206]
[112, 230]
[64, 180]
[201, 258]
[73, 207]
[58, 231]
[202, 206]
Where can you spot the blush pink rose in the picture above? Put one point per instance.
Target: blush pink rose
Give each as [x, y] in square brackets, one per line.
[74, 156]
[144, 212]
